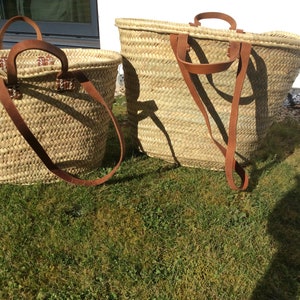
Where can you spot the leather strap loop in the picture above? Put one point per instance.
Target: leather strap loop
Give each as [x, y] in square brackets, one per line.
[19, 18]
[29, 136]
[182, 45]
[231, 165]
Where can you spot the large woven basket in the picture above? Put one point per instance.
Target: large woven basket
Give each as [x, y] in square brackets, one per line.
[166, 122]
[70, 125]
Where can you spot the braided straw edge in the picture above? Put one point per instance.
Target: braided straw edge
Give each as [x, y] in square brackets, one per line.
[97, 59]
[269, 39]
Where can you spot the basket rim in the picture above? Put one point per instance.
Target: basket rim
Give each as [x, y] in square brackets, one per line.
[268, 39]
[97, 59]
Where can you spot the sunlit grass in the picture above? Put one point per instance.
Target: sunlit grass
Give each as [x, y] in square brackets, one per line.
[157, 231]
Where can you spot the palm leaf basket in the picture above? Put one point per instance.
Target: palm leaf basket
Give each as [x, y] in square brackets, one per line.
[165, 120]
[70, 125]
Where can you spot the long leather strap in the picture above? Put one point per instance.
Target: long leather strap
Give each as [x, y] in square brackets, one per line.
[180, 47]
[26, 132]
[37, 147]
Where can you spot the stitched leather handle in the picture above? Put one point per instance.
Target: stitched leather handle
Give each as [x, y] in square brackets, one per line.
[19, 18]
[214, 15]
[179, 45]
[26, 132]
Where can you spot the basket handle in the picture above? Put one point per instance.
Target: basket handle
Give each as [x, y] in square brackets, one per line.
[179, 44]
[26, 132]
[12, 76]
[214, 15]
[234, 47]
[19, 18]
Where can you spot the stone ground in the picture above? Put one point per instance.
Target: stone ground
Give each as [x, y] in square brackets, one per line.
[293, 113]
[291, 106]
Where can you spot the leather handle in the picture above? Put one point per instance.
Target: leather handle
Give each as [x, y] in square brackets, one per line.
[12, 77]
[29, 136]
[234, 47]
[19, 18]
[214, 15]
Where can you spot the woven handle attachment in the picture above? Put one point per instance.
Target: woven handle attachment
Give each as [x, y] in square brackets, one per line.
[19, 18]
[180, 46]
[19, 122]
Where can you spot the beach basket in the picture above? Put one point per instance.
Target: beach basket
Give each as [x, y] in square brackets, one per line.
[204, 97]
[56, 112]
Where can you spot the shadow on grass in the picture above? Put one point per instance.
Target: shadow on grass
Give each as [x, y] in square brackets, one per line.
[280, 142]
[131, 151]
[282, 280]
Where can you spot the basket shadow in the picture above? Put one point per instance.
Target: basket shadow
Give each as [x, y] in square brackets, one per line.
[140, 110]
[257, 93]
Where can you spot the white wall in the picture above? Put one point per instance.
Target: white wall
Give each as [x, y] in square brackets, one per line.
[251, 15]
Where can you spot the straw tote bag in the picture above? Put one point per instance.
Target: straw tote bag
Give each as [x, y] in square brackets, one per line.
[54, 121]
[203, 97]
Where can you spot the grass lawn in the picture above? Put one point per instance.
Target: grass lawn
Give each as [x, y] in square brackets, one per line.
[158, 232]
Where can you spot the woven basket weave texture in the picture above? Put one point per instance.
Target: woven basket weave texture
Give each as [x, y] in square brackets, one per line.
[166, 122]
[71, 126]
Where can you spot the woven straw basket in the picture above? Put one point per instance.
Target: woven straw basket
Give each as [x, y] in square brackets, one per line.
[70, 125]
[165, 120]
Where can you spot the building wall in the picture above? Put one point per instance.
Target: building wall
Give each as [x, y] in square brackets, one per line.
[252, 16]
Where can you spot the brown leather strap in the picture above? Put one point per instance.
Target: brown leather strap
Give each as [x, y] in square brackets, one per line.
[230, 163]
[180, 45]
[19, 18]
[29, 136]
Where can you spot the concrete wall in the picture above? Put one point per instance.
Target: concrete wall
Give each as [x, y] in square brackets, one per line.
[251, 16]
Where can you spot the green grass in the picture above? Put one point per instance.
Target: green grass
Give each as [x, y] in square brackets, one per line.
[157, 231]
